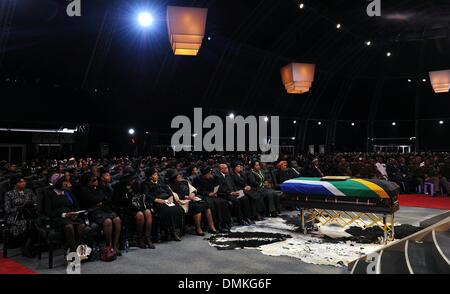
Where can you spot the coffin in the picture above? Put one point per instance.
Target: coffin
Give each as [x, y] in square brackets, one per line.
[359, 195]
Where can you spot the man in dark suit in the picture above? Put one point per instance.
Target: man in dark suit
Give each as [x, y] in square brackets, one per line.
[239, 178]
[314, 169]
[285, 173]
[240, 203]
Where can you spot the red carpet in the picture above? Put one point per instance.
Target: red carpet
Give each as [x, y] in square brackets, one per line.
[424, 201]
[9, 266]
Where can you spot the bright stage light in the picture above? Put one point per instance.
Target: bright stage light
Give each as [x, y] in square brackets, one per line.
[145, 19]
[301, 5]
[319, 123]
[338, 26]
[353, 124]
[394, 124]
[131, 131]
[266, 119]
[294, 122]
[231, 115]
[441, 122]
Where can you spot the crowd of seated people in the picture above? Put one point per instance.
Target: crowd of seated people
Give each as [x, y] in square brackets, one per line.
[125, 196]
[128, 193]
[410, 171]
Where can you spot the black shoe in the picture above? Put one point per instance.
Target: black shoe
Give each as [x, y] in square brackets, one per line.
[250, 222]
[175, 237]
[148, 243]
[118, 253]
[201, 234]
[246, 222]
[141, 244]
[214, 232]
[242, 223]
[224, 229]
[156, 239]
[27, 253]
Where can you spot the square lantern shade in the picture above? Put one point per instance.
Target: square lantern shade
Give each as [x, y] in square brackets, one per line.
[298, 77]
[440, 80]
[186, 27]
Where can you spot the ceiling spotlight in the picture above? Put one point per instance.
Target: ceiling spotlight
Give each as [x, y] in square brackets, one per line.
[131, 131]
[301, 5]
[388, 54]
[338, 26]
[353, 124]
[319, 123]
[441, 122]
[293, 138]
[266, 119]
[145, 19]
[368, 43]
[394, 124]
[231, 115]
[409, 81]
[147, 133]
[424, 80]
[209, 38]
[294, 122]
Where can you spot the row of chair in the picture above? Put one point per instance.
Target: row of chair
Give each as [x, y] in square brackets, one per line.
[4, 187]
[50, 239]
[47, 237]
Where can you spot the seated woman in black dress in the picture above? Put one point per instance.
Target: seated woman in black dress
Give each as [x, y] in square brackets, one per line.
[206, 185]
[133, 209]
[170, 213]
[17, 202]
[99, 209]
[61, 207]
[189, 199]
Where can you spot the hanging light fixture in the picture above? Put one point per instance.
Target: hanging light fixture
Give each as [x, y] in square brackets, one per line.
[186, 27]
[298, 77]
[440, 80]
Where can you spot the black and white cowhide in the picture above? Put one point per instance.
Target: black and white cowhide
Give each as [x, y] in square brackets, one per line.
[280, 236]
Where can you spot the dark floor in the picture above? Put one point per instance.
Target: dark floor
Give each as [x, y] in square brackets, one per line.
[195, 256]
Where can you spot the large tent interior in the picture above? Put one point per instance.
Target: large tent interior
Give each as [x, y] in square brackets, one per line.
[107, 81]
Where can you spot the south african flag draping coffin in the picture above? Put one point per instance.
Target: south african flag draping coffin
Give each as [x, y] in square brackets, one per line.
[340, 193]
